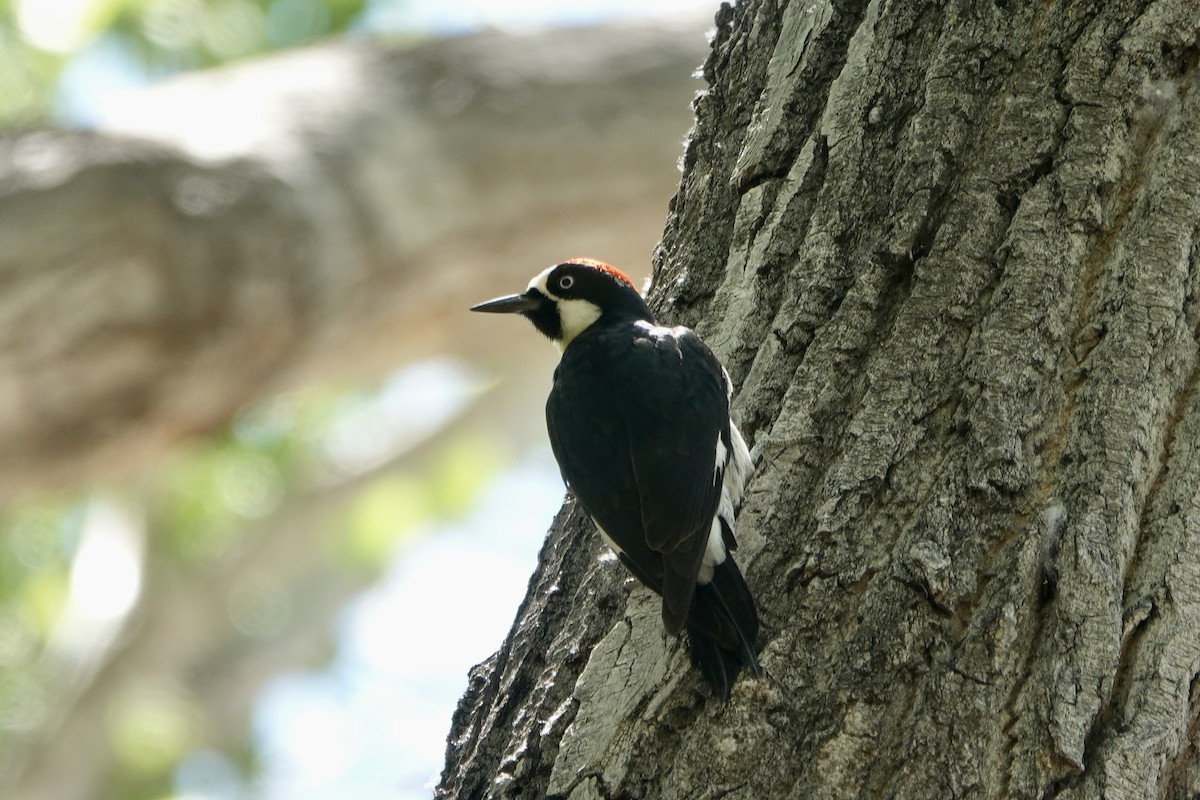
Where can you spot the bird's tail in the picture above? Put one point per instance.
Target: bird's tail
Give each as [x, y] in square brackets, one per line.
[722, 626]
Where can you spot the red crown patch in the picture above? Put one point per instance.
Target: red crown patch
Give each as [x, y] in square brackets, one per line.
[603, 267]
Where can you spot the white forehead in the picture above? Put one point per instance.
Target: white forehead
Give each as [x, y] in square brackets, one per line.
[541, 281]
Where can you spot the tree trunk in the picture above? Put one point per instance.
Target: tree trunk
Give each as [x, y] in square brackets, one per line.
[948, 253]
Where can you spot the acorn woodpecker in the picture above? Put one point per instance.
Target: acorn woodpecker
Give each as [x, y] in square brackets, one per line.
[639, 423]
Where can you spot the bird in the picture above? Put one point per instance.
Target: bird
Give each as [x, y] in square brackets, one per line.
[639, 423]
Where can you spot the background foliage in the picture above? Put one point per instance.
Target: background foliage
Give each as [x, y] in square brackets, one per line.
[64, 621]
[149, 38]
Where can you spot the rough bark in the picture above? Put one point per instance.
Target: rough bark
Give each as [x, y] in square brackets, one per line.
[948, 252]
[238, 232]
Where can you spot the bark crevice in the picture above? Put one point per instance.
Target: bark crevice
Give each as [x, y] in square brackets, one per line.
[971, 382]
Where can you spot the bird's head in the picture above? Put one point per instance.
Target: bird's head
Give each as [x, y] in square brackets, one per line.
[567, 298]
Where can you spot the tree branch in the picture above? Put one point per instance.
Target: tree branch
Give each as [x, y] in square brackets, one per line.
[325, 213]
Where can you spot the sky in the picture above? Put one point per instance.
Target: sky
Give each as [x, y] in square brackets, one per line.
[374, 723]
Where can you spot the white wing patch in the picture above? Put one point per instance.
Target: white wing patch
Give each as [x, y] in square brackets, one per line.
[714, 552]
[737, 472]
[735, 468]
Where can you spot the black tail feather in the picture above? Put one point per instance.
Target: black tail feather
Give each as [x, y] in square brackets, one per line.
[722, 628]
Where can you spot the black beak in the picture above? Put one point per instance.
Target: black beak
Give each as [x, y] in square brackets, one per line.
[513, 304]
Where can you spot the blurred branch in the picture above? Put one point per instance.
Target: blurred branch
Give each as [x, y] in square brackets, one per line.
[326, 213]
[186, 639]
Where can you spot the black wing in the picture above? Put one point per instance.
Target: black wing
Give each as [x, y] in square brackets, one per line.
[634, 425]
[590, 441]
[674, 447]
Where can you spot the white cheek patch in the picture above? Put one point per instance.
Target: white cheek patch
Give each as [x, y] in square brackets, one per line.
[575, 316]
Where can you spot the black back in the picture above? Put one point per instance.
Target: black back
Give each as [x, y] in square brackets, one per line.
[634, 418]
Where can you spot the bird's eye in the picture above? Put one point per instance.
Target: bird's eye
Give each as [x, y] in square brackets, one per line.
[566, 282]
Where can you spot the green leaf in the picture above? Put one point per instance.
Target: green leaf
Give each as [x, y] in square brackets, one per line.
[380, 517]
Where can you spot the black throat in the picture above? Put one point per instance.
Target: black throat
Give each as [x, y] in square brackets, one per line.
[545, 317]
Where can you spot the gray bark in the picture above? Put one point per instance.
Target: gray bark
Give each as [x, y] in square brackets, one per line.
[239, 232]
[948, 253]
